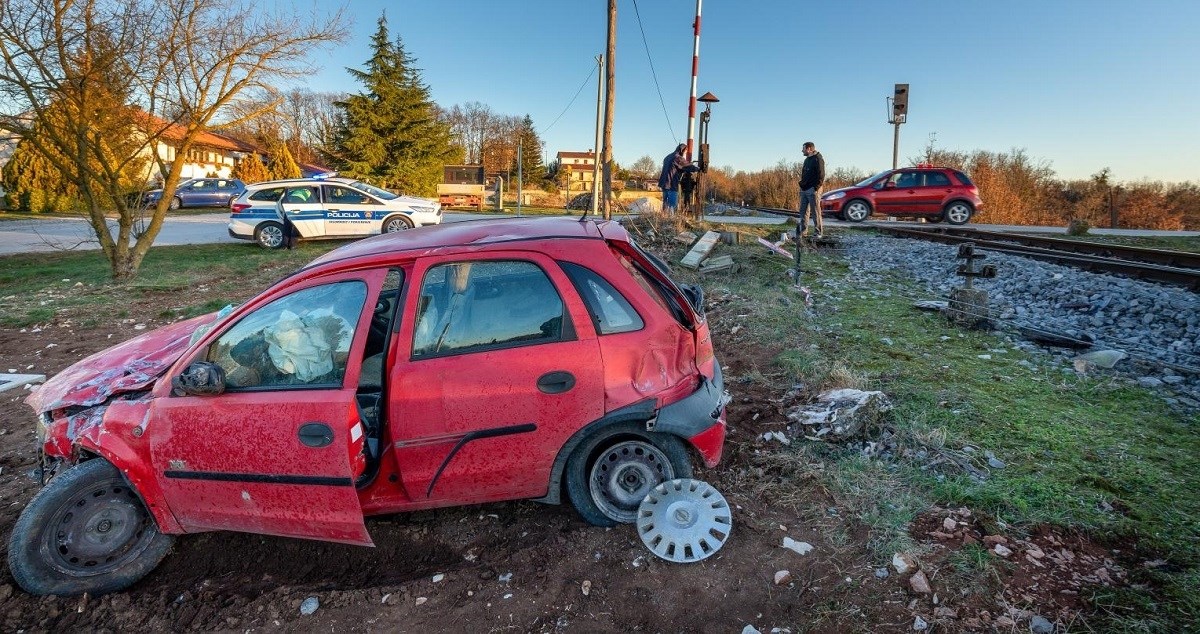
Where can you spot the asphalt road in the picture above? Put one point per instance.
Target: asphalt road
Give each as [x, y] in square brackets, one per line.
[64, 234]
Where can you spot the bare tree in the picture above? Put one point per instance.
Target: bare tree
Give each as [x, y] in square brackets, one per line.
[74, 74]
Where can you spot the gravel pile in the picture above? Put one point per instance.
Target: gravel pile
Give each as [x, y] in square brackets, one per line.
[1156, 325]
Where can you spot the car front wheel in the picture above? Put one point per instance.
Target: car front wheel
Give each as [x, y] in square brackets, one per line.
[269, 235]
[957, 213]
[175, 203]
[397, 223]
[856, 210]
[86, 531]
[611, 472]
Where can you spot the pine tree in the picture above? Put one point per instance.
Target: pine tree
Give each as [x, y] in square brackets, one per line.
[281, 164]
[390, 134]
[532, 169]
[251, 170]
[32, 183]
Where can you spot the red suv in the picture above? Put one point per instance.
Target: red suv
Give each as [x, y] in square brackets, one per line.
[933, 193]
[466, 363]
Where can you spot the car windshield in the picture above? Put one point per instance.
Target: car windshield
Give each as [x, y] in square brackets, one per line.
[374, 191]
[871, 179]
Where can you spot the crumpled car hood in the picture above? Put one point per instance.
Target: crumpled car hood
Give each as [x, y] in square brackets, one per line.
[126, 367]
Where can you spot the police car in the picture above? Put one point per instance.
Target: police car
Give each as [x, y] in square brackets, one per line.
[324, 206]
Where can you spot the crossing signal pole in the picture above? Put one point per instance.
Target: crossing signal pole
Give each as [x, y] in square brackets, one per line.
[897, 114]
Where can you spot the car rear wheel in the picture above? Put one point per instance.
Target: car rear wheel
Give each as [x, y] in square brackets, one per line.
[87, 531]
[856, 210]
[611, 472]
[269, 235]
[957, 213]
[175, 203]
[397, 223]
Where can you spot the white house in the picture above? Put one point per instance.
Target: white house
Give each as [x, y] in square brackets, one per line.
[579, 166]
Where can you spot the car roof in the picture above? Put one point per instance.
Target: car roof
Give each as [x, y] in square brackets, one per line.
[302, 181]
[475, 233]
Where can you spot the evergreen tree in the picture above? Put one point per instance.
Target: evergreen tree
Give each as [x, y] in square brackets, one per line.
[532, 169]
[281, 164]
[251, 170]
[390, 134]
[32, 183]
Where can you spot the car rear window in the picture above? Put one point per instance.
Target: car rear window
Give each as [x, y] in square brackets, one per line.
[936, 179]
[655, 289]
[271, 194]
[611, 312]
[962, 178]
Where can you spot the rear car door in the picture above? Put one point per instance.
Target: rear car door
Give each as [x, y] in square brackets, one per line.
[935, 193]
[276, 453]
[498, 365]
[349, 212]
[302, 206]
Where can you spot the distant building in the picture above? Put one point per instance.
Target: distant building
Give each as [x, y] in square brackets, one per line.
[579, 166]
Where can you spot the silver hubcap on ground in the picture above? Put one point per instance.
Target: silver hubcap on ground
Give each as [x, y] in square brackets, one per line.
[270, 236]
[958, 213]
[100, 529]
[684, 520]
[857, 211]
[624, 474]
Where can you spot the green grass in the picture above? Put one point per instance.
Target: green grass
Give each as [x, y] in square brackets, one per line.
[1191, 244]
[1089, 453]
[39, 287]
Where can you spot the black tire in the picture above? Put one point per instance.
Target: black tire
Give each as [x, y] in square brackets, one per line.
[856, 210]
[269, 235]
[623, 450]
[396, 223]
[958, 212]
[86, 531]
[175, 203]
[935, 218]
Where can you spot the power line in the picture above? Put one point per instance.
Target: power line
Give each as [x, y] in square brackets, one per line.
[572, 102]
[646, 45]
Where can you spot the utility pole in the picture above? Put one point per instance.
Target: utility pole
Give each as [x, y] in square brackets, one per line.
[520, 176]
[596, 147]
[610, 72]
[691, 134]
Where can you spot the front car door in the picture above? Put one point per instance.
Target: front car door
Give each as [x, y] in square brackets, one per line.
[496, 368]
[349, 212]
[897, 192]
[302, 206]
[276, 453]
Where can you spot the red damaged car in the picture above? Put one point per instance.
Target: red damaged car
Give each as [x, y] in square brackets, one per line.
[466, 363]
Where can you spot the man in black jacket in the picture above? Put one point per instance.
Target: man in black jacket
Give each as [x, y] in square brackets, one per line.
[812, 176]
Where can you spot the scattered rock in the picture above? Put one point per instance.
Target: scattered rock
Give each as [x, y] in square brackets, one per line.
[902, 563]
[919, 624]
[881, 573]
[309, 606]
[1002, 550]
[800, 548]
[841, 414]
[585, 587]
[438, 577]
[1173, 379]
[949, 524]
[1149, 381]
[783, 577]
[750, 629]
[992, 540]
[421, 600]
[1005, 622]
[945, 613]
[1039, 625]
[993, 461]
[920, 583]
[506, 577]
[777, 436]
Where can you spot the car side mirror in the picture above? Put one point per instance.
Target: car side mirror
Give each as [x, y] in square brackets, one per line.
[202, 378]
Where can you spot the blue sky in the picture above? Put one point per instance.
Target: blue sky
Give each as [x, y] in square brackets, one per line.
[1082, 84]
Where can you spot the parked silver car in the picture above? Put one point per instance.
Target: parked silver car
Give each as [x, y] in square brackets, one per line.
[319, 208]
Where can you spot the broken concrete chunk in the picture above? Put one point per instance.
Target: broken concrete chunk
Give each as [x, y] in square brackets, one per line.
[686, 237]
[719, 263]
[701, 250]
[800, 548]
[841, 414]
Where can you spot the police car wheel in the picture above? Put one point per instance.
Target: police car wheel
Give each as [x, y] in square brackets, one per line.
[269, 235]
[396, 223]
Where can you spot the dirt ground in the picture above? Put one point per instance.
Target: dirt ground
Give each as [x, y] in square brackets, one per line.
[524, 566]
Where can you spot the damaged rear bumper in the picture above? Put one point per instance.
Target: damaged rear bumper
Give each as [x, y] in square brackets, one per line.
[700, 417]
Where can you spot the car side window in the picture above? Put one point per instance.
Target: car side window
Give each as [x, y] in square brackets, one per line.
[345, 196]
[301, 195]
[909, 179]
[472, 306]
[937, 179]
[200, 185]
[270, 194]
[610, 311]
[302, 339]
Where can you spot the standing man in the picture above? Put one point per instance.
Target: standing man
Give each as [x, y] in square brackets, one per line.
[812, 176]
[668, 180]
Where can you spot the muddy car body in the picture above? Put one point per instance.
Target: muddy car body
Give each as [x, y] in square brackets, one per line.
[476, 362]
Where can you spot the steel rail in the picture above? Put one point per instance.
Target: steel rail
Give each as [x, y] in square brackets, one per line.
[1140, 270]
[1165, 257]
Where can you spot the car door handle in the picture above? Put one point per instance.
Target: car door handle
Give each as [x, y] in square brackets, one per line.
[315, 435]
[555, 382]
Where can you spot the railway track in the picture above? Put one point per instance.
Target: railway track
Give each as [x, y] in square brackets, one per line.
[1139, 263]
